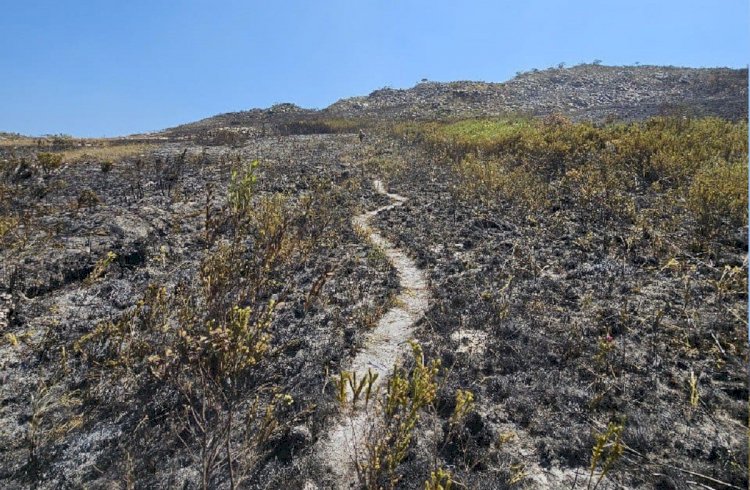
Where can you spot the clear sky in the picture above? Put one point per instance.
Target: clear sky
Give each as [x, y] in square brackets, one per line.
[114, 67]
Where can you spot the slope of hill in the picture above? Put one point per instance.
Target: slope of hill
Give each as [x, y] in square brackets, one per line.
[214, 306]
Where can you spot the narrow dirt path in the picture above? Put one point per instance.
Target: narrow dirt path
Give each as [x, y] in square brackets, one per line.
[383, 347]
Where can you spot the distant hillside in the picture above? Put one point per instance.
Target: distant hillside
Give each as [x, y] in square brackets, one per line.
[592, 92]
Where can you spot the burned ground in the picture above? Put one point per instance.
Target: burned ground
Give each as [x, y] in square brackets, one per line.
[560, 324]
[175, 316]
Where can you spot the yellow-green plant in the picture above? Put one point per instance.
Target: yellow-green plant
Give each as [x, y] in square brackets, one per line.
[242, 187]
[341, 384]
[607, 450]
[406, 395]
[101, 267]
[49, 161]
[518, 473]
[240, 342]
[464, 405]
[694, 394]
[366, 384]
[356, 387]
[11, 338]
[440, 479]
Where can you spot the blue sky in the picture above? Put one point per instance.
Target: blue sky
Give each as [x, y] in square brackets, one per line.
[113, 67]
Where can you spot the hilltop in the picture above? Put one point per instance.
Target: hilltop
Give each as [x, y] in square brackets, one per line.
[583, 92]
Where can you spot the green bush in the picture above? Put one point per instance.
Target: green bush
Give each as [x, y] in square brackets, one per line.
[49, 161]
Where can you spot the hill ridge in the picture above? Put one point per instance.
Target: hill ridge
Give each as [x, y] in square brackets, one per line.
[582, 92]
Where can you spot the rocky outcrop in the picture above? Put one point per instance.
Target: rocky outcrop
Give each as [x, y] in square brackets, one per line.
[582, 92]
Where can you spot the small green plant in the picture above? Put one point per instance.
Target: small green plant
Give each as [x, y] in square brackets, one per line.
[694, 394]
[366, 384]
[440, 479]
[407, 394]
[100, 268]
[518, 473]
[607, 450]
[242, 187]
[356, 388]
[464, 405]
[11, 338]
[227, 349]
[606, 346]
[341, 384]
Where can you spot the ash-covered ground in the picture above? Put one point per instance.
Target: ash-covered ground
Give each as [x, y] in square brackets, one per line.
[177, 317]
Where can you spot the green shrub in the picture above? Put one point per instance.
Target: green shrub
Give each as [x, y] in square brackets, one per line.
[407, 394]
[242, 187]
[49, 161]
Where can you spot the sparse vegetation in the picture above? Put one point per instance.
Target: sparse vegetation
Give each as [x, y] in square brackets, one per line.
[407, 394]
[182, 316]
[106, 152]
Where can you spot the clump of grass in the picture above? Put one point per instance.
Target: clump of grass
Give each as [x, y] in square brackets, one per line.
[106, 152]
[50, 418]
[241, 188]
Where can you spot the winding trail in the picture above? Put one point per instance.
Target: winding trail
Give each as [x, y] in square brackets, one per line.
[383, 347]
